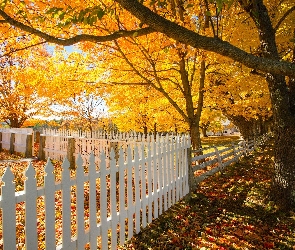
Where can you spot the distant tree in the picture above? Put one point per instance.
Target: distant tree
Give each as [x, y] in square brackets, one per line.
[82, 111]
[18, 98]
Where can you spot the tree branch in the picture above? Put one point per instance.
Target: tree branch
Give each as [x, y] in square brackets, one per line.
[127, 83]
[288, 12]
[77, 38]
[172, 30]
[24, 48]
[179, 33]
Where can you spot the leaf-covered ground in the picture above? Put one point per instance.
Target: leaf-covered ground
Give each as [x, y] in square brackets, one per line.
[4, 155]
[227, 211]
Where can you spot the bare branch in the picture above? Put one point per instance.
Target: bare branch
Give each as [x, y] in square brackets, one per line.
[24, 48]
[126, 83]
[288, 12]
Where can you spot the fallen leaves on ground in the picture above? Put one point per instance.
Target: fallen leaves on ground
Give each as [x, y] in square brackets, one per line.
[230, 210]
[4, 155]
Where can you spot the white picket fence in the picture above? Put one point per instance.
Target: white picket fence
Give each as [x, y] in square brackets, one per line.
[100, 206]
[20, 139]
[57, 142]
[97, 134]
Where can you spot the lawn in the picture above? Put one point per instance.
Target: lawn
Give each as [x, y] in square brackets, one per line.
[227, 211]
[217, 141]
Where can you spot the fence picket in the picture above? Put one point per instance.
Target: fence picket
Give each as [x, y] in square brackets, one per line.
[187, 154]
[169, 191]
[160, 171]
[49, 206]
[137, 177]
[165, 183]
[155, 169]
[181, 165]
[103, 202]
[80, 203]
[31, 208]
[149, 180]
[172, 167]
[122, 196]
[8, 211]
[144, 200]
[113, 200]
[130, 204]
[176, 174]
[92, 203]
[66, 206]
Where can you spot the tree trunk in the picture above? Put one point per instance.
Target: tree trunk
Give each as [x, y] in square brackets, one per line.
[204, 128]
[195, 136]
[194, 118]
[245, 126]
[145, 131]
[204, 131]
[284, 179]
[284, 129]
[251, 128]
[283, 190]
[155, 131]
[14, 123]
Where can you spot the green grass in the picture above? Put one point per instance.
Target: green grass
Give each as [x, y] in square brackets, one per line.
[219, 141]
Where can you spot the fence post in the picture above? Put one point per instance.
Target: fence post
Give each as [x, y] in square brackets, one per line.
[235, 152]
[41, 154]
[220, 165]
[37, 140]
[247, 147]
[115, 146]
[12, 140]
[0, 141]
[71, 151]
[244, 148]
[191, 176]
[29, 146]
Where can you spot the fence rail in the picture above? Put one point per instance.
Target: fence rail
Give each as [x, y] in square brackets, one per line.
[206, 165]
[17, 140]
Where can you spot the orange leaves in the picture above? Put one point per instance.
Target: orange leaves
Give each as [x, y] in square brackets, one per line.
[242, 93]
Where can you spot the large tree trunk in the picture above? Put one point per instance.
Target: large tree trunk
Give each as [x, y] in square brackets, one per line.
[15, 122]
[195, 136]
[145, 131]
[246, 127]
[283, 118]
[249, 128]
[195, 118]
[284, 131]
[204, 130]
